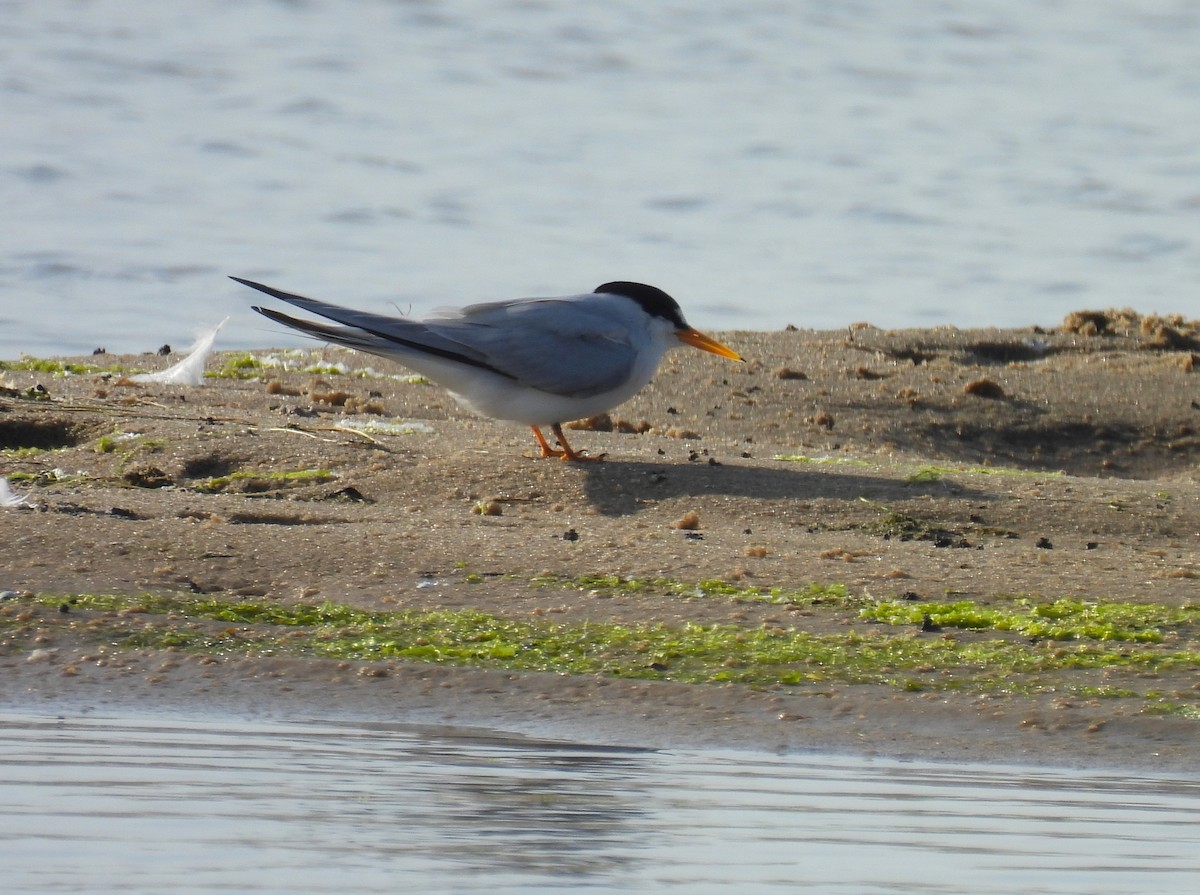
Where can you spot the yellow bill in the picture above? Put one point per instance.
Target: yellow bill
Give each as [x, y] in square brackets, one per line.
[697, 339]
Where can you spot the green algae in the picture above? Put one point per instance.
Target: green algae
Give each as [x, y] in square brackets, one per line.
[893, 524]
[809, 594]
[1062, 619]
[1102, 665]
[933, 473]
[804, 458]
[46, 477]
[238, 366]
[55, 367]
[23, 453]
[903, 527]
[248, 366]
[928, 473]
[128, 443]
[252, 481]
[689, 653]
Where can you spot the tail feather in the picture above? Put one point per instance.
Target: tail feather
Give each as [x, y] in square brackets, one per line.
[270, 290]
[395, 337]
[349, 336]
[347, 316]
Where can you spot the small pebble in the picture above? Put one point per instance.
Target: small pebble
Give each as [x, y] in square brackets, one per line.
[689, 521]
[984, 388]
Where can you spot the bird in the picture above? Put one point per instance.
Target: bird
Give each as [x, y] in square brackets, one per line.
[536, 361]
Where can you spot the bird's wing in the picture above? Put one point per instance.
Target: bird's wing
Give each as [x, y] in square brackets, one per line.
[558, 345]
[562, 346]
[395, 337]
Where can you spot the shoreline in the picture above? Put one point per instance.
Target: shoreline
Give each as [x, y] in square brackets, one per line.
[609, 713]
[1020, 475]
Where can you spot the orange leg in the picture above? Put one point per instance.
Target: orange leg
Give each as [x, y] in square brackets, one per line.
[567, 452]
[547, 451]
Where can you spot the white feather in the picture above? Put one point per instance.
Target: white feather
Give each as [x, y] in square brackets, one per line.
[190, 370]
[9, 498]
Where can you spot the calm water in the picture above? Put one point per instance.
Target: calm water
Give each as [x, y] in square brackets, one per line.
[137, 804]
[767, 162]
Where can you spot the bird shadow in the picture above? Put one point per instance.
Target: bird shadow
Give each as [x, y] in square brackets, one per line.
[625, 487]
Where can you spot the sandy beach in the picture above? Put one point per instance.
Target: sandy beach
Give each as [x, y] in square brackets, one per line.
[1031, 496]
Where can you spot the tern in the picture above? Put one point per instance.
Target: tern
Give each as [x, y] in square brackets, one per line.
[537, 361]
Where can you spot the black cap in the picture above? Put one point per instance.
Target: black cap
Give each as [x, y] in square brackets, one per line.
[652, 300]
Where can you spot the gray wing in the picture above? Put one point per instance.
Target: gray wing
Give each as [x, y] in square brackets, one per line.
[562, 346]
[558, 345]
[373, 333]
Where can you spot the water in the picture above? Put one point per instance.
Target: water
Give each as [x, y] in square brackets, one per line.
[143, 804]
[767, 162]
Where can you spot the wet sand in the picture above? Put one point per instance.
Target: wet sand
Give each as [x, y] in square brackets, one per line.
[1048, 464]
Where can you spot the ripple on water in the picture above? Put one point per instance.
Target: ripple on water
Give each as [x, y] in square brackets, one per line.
[204, 804]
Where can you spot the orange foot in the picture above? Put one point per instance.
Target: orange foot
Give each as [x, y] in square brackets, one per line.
[567, 453]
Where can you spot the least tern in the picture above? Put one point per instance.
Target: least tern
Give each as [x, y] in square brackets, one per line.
[537, 361]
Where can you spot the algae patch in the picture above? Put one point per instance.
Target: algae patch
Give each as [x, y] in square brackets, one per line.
[985, 658]
[239, 366]
[1044, 620]
[811, 594]
[804, 458]
[55, 367]
[248, 366]
[246, 481]
[931, 473]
